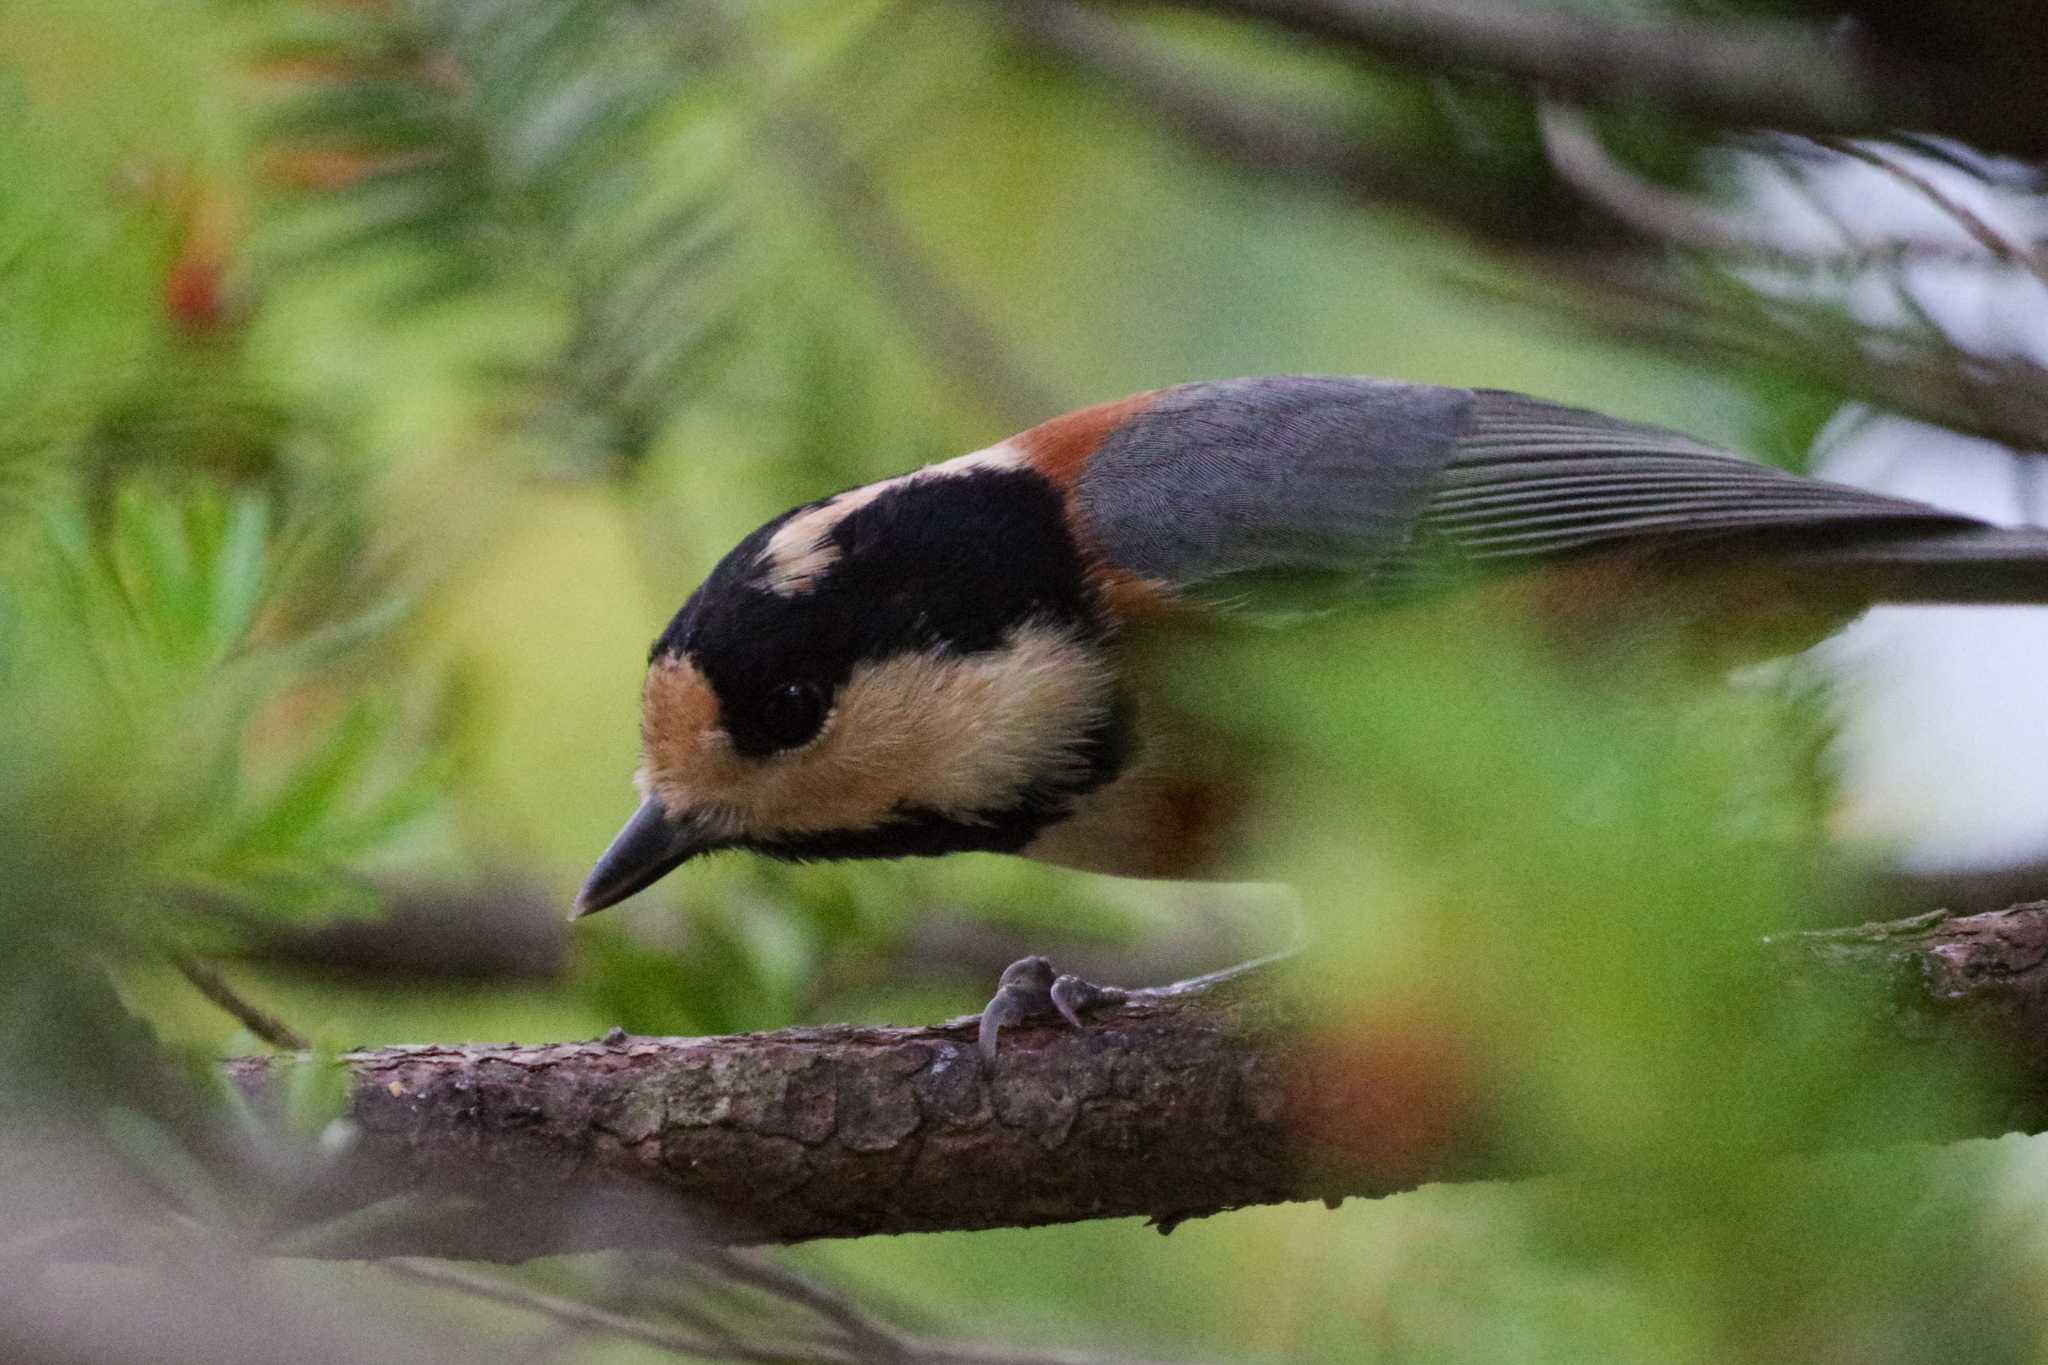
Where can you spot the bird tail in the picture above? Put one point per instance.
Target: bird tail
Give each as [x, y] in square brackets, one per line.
[1970, 565]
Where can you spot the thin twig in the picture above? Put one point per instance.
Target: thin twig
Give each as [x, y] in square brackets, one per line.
[952, 331]
[1980, 231]
[1941, 343]
[871, 1338]
[586, 1317]
[865, 1336]
[2001, 398]
[1752, 74]
[1306, 141]
[214, 987]
[1574, 150]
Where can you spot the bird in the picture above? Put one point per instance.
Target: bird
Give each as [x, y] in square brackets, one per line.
[963, 657]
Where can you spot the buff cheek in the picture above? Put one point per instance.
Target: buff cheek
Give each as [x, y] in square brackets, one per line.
[685, 752]
[934, 731]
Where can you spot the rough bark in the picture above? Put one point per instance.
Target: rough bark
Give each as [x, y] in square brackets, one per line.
[1169, 1109]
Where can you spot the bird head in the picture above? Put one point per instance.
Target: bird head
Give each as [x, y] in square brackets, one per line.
[914, 667]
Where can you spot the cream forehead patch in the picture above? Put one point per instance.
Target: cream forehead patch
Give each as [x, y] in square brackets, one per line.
[801, 550]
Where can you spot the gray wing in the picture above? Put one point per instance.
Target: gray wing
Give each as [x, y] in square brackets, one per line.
[1219, 489]
[1529, 478]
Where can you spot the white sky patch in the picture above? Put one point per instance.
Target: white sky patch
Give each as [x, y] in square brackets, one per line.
[1945, 741]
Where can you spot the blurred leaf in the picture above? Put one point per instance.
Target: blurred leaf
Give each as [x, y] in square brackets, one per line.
[513, 144]
[716, 983]
[172, 607]
[168, 1163]
[316, 1097]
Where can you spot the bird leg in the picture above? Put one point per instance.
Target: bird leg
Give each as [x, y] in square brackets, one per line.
[1030, 988]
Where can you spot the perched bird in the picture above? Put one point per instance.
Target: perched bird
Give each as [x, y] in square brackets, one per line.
[956, 659]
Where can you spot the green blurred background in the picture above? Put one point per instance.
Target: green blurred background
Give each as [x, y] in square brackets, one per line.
[376, 379]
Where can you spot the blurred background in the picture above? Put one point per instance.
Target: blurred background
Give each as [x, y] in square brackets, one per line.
[378, 376]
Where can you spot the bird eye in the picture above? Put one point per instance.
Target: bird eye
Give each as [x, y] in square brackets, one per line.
[792, 714]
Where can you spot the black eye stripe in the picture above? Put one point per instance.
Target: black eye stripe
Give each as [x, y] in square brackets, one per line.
[786, 717]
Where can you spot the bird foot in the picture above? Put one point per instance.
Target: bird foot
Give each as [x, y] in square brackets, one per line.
[1029, 988]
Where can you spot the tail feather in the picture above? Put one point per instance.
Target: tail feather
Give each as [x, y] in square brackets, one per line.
[1973, 565]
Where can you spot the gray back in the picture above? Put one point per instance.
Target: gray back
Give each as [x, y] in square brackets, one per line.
[1242, 476]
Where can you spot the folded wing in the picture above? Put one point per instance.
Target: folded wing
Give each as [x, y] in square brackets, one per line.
[1333, 487]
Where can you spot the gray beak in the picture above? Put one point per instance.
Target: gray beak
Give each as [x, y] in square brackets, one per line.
[644, 852]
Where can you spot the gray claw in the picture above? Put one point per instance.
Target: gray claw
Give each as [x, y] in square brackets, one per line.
[1031, 973]
[1074, 997]
[1024, 989]
[1028, 987]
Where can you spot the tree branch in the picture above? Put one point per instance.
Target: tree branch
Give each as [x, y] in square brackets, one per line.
[1308, 141]
[211, 984]
[1751, 74]
[1691, 222]
[2002, 398]
[1995, 243]
[1168, 1109]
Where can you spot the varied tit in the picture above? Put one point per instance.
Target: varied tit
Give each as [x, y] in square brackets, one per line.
[943, 661]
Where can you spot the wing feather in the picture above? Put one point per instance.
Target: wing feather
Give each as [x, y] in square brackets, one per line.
[1537, 479]
[1375, 484]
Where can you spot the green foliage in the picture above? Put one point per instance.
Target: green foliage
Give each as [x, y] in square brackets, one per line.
[187, 580]
[242, 540]
[70, 327]
[757, 953]
[176, 622]
[246, 1173]
[557, 149]
[188, 607]
[1564, 864]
